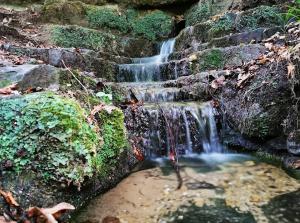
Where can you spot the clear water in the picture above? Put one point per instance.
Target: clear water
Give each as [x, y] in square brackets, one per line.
[217, 188]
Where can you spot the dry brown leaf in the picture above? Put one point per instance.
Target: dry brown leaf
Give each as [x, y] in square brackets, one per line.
[243, 78]
[49, 215]
[8, 197]
[269, 46]
[263, 60]
[215, 84]
[291, 70]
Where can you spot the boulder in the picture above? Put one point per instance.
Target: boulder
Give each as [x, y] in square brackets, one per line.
[258, 109]
[49, 140]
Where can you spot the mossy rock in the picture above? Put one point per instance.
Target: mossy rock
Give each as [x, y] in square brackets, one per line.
[213, 60]
[50, 135]
[79, 37]
[151, 25]
[197, 14]
[108, 18]
[262, 16]
[64, 11]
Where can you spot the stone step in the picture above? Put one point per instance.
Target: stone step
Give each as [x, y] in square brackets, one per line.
[152, 92]
[206, 60]
[254, 36]
[104, 65]
[227, 24]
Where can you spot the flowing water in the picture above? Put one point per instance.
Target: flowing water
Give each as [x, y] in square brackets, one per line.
[217, 186]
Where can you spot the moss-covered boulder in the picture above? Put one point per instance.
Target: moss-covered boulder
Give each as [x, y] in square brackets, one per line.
[76, 36]
[103, 41]
[50, 138]
[64, 11]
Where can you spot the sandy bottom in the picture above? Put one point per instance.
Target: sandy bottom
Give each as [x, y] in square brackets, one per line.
[149, 195]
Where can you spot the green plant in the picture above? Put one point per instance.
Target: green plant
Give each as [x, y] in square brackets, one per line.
[75, 36]
[262, 16]
[49, 134]
[106, 98]
[107, 18]
[212, 60]
[114, 136]
[156, 24]
[293, 11]
[198, 13]
[224, 25]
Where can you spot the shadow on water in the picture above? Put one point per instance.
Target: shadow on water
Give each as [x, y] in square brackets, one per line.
[217, 213]
[283, 208]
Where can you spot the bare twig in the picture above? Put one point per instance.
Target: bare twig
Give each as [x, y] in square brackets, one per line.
[81, 84]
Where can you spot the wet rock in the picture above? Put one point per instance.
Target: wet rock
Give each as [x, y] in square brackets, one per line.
[52, 169]
[42, 76]
[292, 163]
[293, 142]
[258, 109]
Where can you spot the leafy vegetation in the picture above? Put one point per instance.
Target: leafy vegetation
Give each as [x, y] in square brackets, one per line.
[293, 12]
[111, 121]
[198, 13]
[108, 18]
[154, 25]
[224, 25]
[262, 16]
[75, 36]
[50, 134]
[212, 60]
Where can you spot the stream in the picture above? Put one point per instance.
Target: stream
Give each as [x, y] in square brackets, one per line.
[218, 185]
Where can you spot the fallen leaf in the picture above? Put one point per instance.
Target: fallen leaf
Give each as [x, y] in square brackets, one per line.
[8, 197]
[291, 70]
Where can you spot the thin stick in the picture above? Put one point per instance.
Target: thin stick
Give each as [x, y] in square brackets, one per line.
[86, 90]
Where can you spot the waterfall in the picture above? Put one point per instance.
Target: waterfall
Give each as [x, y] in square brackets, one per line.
[165, 123]
[147, 68]
[187, 127]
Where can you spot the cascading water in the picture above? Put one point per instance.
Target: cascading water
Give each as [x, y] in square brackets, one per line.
[187, 127]
[147, 68]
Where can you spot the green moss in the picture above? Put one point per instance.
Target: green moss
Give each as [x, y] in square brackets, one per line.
[75, 36]
[49, 134]
[262, 16]
[224, 25]
[111, 122]
[197, 14]
[154, 25]
[64, 11]
[212, 60]
[102, 17]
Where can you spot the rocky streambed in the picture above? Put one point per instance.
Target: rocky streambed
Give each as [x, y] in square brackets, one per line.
[216, 188]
